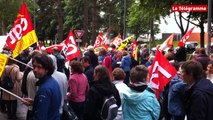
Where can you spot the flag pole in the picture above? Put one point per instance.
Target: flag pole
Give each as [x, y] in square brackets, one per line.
[11, 94]
[20, 62]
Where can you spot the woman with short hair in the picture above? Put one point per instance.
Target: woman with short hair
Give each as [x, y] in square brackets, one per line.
[77, 88]
[118, 78]
[140, 103]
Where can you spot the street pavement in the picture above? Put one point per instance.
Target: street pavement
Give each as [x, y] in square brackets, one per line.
[21, 112]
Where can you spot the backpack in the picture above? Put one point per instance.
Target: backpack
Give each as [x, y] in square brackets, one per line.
[7, 82]
[68, 113]
[109, 108]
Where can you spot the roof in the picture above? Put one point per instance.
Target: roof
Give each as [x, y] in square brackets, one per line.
[196, 37]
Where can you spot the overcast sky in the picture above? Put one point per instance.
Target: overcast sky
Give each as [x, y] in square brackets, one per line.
[172, 27]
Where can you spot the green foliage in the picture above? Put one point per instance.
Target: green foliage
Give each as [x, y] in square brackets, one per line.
[137, 23]
[73, 11]
[8, 12]
[140, 14]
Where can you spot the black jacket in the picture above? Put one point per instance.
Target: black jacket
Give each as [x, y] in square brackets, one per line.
[94, 99]
[93, 58]
[200, 102]
[89, 71]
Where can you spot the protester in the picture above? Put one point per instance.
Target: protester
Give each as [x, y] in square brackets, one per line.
[180, 54]
[116, 58]
[176, 101]
[26, 72]
[101, 88]
[31, 90]
[211, 56]
[13, 72]
[150, 61]
[140, 102]
[60, 60]
[199, 96]
[93, 57]
[203, 58]
[47, 101]
[88, 69]
[78, 88]
[107, 61]
[144, 58]
[61, 79]
[118, 78]
[126, 65]
[24, 57]
[209, 72]
[133, 60]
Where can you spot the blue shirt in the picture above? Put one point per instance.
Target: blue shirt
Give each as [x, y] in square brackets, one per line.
[47, 100]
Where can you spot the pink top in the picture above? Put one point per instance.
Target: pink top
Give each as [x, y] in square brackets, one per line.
[78, 87]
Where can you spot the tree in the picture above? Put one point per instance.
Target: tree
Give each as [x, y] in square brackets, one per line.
[180, 23]
[194, 17]
[152, 10]
[86, 21]
[60, 19]
[8, 11]
[138, 23]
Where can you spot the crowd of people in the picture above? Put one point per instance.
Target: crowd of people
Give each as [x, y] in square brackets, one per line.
[96, 75]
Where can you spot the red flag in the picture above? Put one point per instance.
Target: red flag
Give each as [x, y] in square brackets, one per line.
[135, 49]
[117, 41]
[22, 34]
[167, 43]
[59, 46]
[105, 36]
[160, 73]
[71, 49]
[100, 41]
[185, 37]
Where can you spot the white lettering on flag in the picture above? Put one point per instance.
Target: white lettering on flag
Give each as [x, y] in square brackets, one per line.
[155, 75]
[72, 40]
[73, 51]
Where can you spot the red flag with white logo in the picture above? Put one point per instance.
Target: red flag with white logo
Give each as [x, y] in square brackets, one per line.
[160, 73]
[185, 37]
[22, 35]
[117, 41]
[71, 49]
[99, 42]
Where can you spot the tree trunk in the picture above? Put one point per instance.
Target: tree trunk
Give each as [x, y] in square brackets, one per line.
[180, 24]
[202, 34]
[59, 14]
[94, 21]
[3, 28]
[85, 24]
[152, 33]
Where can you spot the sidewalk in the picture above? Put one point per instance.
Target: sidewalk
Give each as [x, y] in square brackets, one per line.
[21, 112]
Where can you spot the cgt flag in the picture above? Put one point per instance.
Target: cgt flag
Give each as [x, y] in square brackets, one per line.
[160, 73]
[22, 35]
[185, 38]
[99, 42]
[116, 41]
[70, 48]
